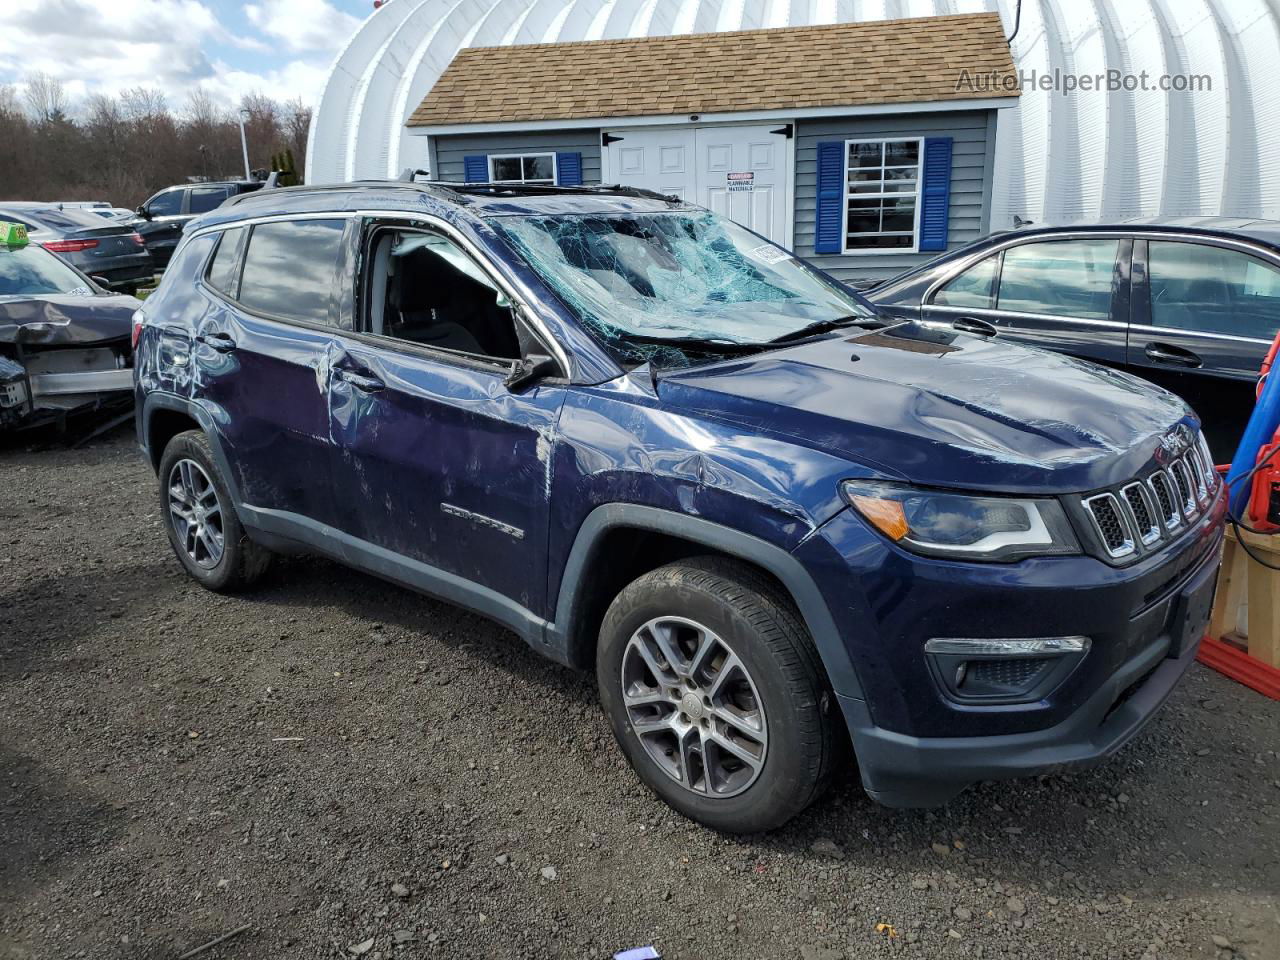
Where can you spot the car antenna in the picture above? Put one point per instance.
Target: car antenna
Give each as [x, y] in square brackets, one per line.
[409, 175]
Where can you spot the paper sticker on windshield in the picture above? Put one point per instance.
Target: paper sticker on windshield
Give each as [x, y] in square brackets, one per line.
[768, 253]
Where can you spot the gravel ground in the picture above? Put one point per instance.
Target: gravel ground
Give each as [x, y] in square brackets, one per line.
[352, 770]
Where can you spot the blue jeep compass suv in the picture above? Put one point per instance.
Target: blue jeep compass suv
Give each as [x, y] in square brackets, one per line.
[651, 442]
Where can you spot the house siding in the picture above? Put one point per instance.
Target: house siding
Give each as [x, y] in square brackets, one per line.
[973, 150]
[448, 151]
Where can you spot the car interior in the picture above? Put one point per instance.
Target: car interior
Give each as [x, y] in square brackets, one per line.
[425, 290]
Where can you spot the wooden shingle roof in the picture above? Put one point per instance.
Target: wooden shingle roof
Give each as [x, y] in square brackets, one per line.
[920, 59]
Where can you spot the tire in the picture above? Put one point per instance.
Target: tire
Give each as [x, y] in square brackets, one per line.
[749, 617]
[240, 562]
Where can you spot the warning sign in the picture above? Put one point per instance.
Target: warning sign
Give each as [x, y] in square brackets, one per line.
[741, 182]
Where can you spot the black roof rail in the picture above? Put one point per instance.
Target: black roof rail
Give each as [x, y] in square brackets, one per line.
[549, 189]
[460, 192]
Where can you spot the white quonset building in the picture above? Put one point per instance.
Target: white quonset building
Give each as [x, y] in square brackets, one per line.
[1189, 124]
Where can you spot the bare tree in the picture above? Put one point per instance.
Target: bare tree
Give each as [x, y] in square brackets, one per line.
[46, 97]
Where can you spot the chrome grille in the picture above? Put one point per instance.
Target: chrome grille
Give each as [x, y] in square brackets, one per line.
[1142, 514]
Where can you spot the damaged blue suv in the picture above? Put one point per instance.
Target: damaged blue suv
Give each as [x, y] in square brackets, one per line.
[657, 446]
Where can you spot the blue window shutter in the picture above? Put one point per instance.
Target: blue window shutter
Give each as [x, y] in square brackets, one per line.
[830, 211]
[935, 194]
[475, 169]
[569, 169]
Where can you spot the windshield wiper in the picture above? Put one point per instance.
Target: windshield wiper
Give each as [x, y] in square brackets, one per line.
[826, 326]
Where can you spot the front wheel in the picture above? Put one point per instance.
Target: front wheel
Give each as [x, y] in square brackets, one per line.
[716, 694]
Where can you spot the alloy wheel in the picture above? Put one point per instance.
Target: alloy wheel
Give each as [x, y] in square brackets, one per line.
[694, 707]
[196, 513]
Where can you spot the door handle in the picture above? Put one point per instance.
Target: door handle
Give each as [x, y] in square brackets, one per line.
[975, 326]
[222, 342]
[360, 381]
[1163, 353]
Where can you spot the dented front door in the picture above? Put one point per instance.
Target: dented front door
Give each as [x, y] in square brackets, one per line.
[435, 460]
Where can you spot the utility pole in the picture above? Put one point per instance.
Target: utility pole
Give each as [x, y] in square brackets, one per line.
[244, 145]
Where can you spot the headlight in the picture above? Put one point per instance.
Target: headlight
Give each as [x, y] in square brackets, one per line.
[960, 526]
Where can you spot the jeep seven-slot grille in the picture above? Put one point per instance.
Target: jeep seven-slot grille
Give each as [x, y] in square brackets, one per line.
[1154, 508]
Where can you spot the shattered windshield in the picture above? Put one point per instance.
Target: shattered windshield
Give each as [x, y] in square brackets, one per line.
[668, 287]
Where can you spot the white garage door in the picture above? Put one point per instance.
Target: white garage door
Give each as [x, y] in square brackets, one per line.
[740, 172]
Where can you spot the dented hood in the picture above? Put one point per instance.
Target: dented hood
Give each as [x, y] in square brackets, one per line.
[64, 319]
[939, 408]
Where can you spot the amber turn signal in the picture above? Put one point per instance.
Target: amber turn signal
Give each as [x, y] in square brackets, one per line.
[887, 516]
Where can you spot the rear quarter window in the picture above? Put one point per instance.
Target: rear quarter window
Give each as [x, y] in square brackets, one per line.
[224, 268]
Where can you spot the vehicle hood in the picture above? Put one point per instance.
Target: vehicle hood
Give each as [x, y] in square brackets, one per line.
[940, 408]
[63, 319]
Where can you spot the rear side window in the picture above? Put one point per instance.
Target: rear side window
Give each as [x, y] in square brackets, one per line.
[204, 199]
[1212, 290]
[167, 204]
[289, 269]
[224, 270]
[975, 288]
[1065, 278]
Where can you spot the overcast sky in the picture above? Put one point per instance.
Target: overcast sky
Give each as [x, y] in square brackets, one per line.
[279, 47]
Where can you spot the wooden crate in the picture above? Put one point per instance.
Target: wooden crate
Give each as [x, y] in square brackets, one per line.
[1243, 641]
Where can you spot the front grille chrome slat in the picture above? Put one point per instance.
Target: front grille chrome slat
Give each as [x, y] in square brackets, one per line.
[1182, 483]
[1142, 511]
[1111, 524]
[1163, 489]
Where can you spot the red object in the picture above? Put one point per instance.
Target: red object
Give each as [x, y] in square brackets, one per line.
[1266, 364]
[1239, 666]
[69, 246]
[137, 329]
[1264, 481]
[137, 238]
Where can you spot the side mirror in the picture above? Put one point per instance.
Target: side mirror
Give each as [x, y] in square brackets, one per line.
[529, 370]
[103, 282]
[143, 212]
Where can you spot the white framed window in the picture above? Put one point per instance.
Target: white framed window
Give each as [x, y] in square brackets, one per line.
[882, 195]
[522, 168]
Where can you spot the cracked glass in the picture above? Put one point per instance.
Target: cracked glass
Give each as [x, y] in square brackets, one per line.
[672, 288]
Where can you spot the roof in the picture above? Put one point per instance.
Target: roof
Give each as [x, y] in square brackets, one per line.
[1249, 228]
[915, 60]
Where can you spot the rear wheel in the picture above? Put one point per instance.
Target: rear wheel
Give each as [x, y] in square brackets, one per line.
[203, 528]
[716, 695]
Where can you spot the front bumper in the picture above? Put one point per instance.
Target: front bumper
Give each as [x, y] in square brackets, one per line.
[917, 745]
[904, 771]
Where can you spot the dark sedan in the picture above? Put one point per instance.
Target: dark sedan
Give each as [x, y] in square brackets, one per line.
[1192, 304]
[100, 248]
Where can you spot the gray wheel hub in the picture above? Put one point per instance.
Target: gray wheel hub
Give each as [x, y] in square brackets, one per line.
[694, 707]
[196, 514]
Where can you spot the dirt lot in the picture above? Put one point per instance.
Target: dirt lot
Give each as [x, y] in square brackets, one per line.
[333, 761]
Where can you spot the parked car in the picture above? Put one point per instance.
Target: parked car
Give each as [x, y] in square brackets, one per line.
[167, 212]
[1191, 304]
[112, 252]
[64, 341]
[119, 214]
[654, 444]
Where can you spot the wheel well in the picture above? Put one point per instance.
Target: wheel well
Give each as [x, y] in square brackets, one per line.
[163, 426]
[619, 557]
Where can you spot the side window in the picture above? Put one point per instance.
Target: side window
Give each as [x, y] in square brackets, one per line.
[289, 269]
[1212, 290]
[975, 288]
[204, 199]
[1066, 278]
[166, 204]
[224, 269]
[424, 289]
